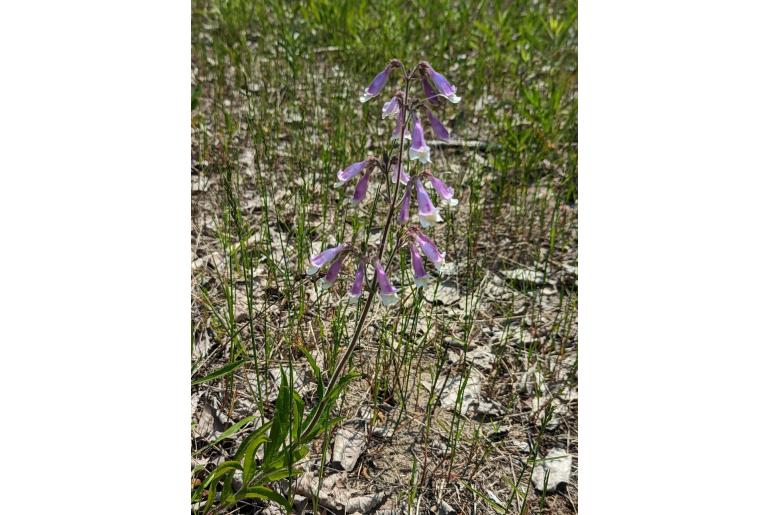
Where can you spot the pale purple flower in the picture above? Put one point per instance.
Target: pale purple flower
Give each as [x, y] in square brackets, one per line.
[430, 93]
[443, 86]
[363, 184]
[392, 108]
[358, 282]
[398, 171]
[403, 213]
[327, 281]
[438, 129]
[429, 249]
[419, 149]
[445, 192]
[396, 136]
[388, 294]
[374, 89]
[428, 213]
[421, 277]
[322, 258]
[351, 171]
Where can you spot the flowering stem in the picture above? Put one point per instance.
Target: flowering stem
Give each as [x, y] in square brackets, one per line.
[373, 283]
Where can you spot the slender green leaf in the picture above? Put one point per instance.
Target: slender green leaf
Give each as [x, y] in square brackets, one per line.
[280, 428]
[227, 433]
[227, 369]
[298, 409]
[316, 371]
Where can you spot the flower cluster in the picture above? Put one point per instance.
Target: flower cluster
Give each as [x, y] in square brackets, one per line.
[407, 112]
[416, 239]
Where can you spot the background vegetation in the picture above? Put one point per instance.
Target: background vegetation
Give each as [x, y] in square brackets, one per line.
[460, 390]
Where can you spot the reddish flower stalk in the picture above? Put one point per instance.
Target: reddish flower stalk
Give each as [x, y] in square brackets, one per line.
[400, 108]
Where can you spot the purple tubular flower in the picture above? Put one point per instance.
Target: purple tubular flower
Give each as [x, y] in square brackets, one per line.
[327, 281]
[421, 277]
[445, 192]
[363, 184]
[351, 171]
[428, 213]
[429, 249]
[430, 93]
[403, 213]
[396, 136]
[396, 171]
[388, 294]
[373, 89]
[358, 282]
[419, 150]
[322, 258]
[438, 129]
[443, 86]
[392, 108]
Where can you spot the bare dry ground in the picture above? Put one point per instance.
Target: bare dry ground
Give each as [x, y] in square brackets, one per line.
[463, 388]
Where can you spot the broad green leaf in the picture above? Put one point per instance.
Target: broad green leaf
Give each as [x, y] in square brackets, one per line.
[222, 469]
[277, 475]
[249, 467]
[263, 492]
[279, 462]
[241, 452]
[227, 488]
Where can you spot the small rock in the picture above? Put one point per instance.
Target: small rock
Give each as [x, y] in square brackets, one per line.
[553, 470]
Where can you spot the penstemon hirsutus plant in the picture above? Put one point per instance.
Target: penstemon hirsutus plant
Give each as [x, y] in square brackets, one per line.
[408, 110]
[284, 440]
